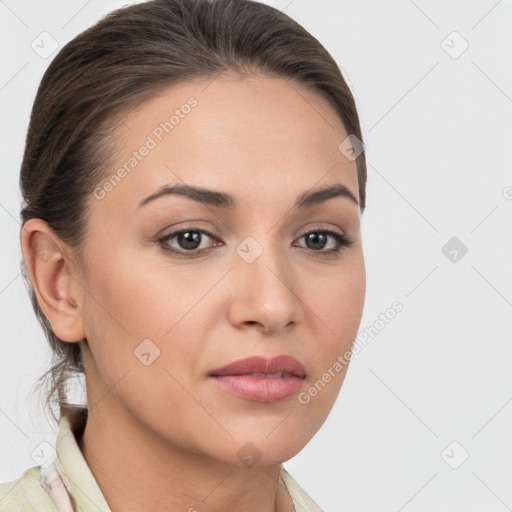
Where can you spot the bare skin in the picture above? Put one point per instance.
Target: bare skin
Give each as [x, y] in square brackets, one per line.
[163, 436]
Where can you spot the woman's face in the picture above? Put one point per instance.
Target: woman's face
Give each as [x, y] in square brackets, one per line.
[244, 281]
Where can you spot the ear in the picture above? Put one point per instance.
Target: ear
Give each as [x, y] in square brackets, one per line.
[54, 278]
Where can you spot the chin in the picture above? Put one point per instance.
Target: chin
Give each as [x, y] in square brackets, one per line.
[260, 450]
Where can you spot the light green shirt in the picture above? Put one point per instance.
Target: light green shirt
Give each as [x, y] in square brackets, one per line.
[68, 484]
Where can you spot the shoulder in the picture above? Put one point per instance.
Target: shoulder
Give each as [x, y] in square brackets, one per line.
[25, 494]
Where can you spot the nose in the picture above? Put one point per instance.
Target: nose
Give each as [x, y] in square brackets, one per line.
[266, 290]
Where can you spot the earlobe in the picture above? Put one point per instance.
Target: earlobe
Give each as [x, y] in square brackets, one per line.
[51, 274]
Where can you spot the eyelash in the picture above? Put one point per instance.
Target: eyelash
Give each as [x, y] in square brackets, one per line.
[343, 240]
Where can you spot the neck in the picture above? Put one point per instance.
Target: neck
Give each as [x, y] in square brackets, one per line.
[136, 469]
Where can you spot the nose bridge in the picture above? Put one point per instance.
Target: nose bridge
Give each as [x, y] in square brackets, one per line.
[265, 279]
[261, 256]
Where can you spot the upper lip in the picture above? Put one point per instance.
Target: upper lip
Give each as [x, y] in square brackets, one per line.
[262, 364]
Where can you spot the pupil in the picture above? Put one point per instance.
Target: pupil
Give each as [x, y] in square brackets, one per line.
[189, 239]
[314, 238]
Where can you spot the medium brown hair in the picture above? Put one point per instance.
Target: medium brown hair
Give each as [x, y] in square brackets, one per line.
[126, 58]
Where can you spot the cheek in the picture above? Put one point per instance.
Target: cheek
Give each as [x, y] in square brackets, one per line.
[137, 299]
[337, 306]
[136, 295]
[338, 303]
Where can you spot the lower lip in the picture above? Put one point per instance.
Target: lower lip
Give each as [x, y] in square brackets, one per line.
[261, 389]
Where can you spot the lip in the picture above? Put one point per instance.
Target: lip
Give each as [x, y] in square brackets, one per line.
[262, 364]
[234, 378]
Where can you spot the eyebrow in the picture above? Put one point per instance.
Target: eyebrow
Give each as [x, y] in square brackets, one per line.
[222, 200]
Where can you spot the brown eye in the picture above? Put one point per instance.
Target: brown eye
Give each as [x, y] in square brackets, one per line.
[187, 240]
[317, 241]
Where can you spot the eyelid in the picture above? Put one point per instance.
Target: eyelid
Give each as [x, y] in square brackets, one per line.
[343, 241]
[323, 226]
[318, 226]
[172, 234]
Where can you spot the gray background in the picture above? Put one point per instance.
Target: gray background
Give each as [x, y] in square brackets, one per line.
[434, 385]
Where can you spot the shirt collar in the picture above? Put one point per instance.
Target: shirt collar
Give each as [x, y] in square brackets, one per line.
[86, 492]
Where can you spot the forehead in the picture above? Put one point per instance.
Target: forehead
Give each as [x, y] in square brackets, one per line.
[256, 137]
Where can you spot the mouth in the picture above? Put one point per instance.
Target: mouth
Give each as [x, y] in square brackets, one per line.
[261, 366]
[277, 375]
[262, 379]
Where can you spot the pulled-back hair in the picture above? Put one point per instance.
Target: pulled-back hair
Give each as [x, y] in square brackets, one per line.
[126, 58]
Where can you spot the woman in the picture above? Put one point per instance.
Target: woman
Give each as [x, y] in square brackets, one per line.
[194, 181]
